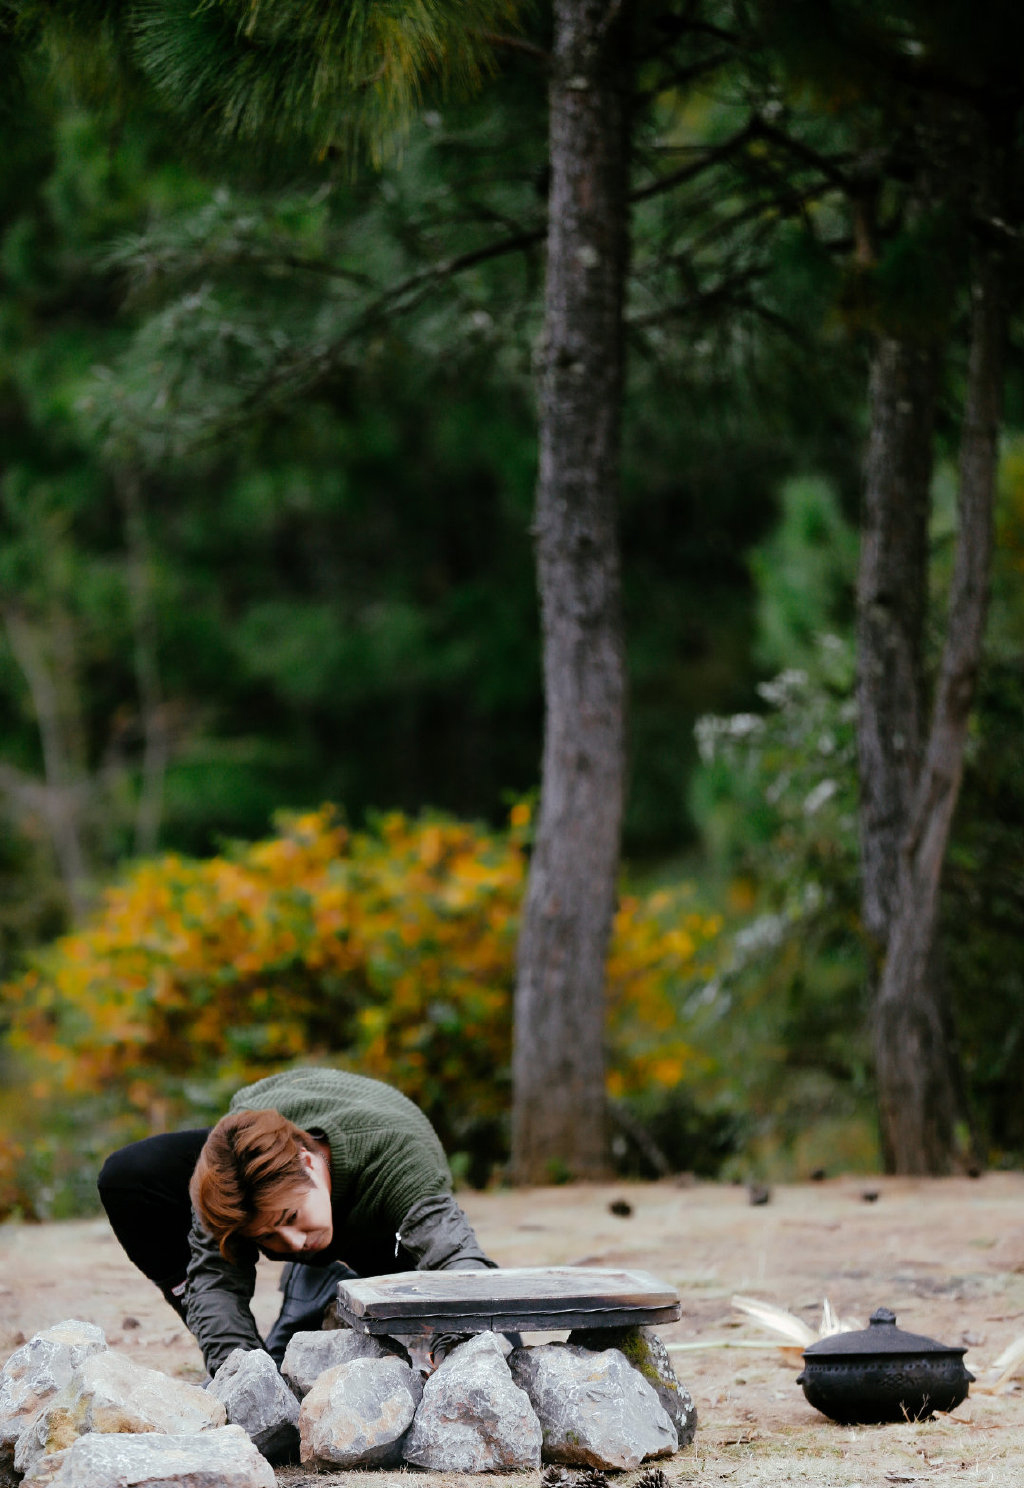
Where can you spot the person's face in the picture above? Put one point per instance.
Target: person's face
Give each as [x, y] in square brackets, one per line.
[303, 1222]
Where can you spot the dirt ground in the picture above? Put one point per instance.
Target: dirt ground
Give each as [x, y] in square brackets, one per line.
[947, 1256]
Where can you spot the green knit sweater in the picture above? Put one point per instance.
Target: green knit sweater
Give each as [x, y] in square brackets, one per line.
[385, 1155]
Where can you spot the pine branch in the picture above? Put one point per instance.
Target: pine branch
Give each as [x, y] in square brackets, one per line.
[349, 75]
[687, 173]
[723, 294]
[191, 266]
[788, 204]
[829, 166]
[517, 44]
[684, 77]
[293, 371]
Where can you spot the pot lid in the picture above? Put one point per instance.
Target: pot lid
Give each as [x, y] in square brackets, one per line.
[881, 1336]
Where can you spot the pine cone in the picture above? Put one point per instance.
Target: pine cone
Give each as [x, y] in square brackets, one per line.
[652, 1477]
[592, 1477]
[557, 1477]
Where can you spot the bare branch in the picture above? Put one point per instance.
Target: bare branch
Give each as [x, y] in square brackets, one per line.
[610, 16]
[684, 76]
[707, 161]
[829, 166]
[517, 44]
[723, 293]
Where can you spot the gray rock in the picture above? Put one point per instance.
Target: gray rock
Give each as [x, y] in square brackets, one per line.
[45, 1470]
[35, 1372]
[309, 1355]
[474, 1417]
[109, 1393]
[257, 1399]
[223, 1457]
[357, 1414]
[595, 1409]
[646, 1352]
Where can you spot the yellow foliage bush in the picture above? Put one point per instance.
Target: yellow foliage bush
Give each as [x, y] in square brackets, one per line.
[389, 950]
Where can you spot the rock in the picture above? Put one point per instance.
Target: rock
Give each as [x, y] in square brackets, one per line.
[42, 1474]
[108, 1393]
[309, 1355]
[257, 1399]
[357, 1414]
[222, 1457]
[333, 1318]
[35, 1372]
[473, 1416]
[595, 1409]
[646, 1352]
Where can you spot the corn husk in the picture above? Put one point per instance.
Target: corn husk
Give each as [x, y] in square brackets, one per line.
[794, 1330]
[1009, 1363]
[777, 1320]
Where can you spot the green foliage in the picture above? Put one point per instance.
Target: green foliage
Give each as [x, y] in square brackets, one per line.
[804, 574]
[333, 444]
[983, 884]
[983, 889]
[777, 795]
[32, 908]
[287, 661]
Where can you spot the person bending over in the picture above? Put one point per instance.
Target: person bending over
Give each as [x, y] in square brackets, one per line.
[339, 1174]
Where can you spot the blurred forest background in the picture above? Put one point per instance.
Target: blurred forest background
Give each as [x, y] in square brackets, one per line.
[270, 683]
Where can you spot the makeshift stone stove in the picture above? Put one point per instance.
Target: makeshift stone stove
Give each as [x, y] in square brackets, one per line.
[74, 1414]
[607, 1397]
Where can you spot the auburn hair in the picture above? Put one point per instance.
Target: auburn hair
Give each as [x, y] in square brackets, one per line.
[250, 1164]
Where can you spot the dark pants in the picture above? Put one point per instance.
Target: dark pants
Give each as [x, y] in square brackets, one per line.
[144, 1190]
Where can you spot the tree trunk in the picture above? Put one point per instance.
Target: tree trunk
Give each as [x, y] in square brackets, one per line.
[915, 1064]
[558, 1061]
[155, 750]
[892, 601]
[52, 687]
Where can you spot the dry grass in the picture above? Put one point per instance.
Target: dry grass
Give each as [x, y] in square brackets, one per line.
[947, 1256]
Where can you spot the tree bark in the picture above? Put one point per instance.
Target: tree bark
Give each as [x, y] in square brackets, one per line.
[558, 1059]
[51, 684]
[916, 1069]
[149, 803]
[892, 601]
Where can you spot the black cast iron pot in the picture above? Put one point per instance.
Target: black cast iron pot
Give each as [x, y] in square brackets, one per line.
[883, 1374]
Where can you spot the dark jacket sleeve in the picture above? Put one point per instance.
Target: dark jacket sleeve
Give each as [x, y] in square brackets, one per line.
[218, 1297]
[437, 1236]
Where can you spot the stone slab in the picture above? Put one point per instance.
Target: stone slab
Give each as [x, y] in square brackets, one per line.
[513, 1299]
